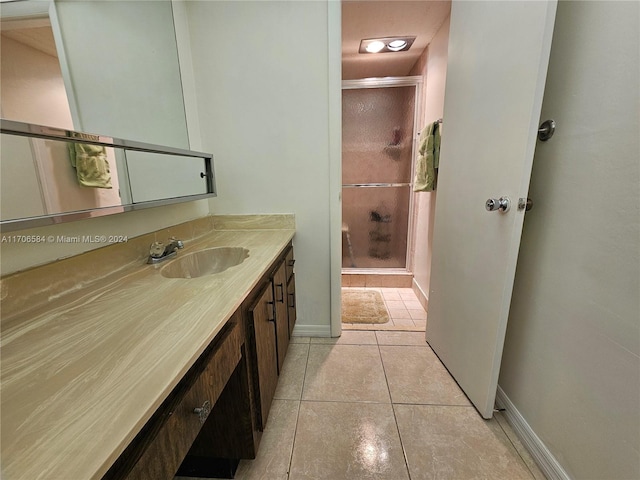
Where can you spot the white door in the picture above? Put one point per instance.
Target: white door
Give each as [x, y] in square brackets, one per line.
[498, 58]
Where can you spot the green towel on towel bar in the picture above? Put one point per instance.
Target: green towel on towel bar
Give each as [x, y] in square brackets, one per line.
[90, 162]
[428, 159]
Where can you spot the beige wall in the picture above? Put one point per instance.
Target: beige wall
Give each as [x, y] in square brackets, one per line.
[32, 79]
[571, 362]
[264, 111]
[433, 66]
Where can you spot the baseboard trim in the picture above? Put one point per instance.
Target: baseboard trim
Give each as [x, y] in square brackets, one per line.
[538, 450]
[422, 297]
[311, 331]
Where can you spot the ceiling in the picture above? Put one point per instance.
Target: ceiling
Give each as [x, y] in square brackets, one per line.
[33, 32]
[387, 18]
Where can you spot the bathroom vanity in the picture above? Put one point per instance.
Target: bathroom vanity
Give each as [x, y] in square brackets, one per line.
[116, 371]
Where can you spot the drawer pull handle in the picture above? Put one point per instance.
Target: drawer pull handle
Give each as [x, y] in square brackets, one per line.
[271, 314]
[292, 263]
[293, 300]
[203, 411]
[281, 287]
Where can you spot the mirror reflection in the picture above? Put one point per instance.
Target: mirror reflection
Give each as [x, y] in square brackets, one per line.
[42, 176]
[121, 79]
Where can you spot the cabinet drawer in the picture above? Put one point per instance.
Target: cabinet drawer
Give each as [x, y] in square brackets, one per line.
[289, 262]
[166, 439]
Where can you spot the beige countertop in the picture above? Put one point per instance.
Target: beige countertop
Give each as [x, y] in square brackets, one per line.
[82, 374]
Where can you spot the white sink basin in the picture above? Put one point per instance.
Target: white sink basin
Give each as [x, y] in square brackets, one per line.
[205, 262]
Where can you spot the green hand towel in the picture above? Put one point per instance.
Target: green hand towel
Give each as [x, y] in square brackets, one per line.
[428, 159]
[91, 164]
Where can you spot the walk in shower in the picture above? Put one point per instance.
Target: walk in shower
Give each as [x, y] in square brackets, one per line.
[378, 141]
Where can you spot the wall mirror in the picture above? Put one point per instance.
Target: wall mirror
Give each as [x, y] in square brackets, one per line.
[50, 175]
[122, 79]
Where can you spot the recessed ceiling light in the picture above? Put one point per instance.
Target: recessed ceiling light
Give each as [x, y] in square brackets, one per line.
[386, 44]
[375, 46]
[396, 45]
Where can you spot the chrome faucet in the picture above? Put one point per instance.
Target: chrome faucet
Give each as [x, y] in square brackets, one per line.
[159, 252]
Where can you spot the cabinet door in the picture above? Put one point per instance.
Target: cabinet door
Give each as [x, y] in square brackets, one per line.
[282, 322]
[262, 315]
[291, 302]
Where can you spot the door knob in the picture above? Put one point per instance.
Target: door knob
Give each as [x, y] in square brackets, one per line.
[502, 204]
[546, 130]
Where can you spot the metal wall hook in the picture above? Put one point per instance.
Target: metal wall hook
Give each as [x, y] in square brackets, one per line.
[546, 130]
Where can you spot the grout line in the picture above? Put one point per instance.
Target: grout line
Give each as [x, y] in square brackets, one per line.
[393, 411]
[368, 402]
[295, 433]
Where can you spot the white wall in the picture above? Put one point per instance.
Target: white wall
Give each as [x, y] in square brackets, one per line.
[122, 60]
[435, 72]
[262, 83]
[571, 362]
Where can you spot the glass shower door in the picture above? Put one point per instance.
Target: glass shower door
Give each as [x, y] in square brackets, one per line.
[377, 152]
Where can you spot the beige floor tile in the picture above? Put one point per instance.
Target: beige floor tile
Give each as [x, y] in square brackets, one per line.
[456, 443]
[354, 337]
[401, 338]
[522, 451]
[395, 304]
[274, 454]
[382, 327]
[399, 313]
[415, 375]
[422, 324]
[349, 373]
[403, 322]
[418, 314]
[407, 294]
[413, 305]
[291, 378]
[347, 441]
[300, 340]
[391, 294]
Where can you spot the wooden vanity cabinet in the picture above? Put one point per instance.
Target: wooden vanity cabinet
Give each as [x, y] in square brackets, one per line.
[268, 316]
[262, 324]
[291, 290]
[281, 313]
[291, 303]
[216, 414]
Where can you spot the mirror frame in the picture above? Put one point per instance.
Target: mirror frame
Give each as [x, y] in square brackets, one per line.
[52, 133]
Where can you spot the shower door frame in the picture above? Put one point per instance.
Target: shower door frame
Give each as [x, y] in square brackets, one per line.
[390, 82]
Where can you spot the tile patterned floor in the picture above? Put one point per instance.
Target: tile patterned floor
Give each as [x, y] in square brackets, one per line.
[379, 405]
[405, 311]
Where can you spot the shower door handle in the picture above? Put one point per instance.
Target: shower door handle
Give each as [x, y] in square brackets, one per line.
[371, 185]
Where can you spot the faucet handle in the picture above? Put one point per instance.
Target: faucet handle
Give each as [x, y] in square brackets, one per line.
[179, 243]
